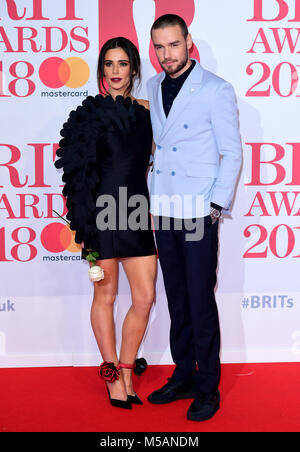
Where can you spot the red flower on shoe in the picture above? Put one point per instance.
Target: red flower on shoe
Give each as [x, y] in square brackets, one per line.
[109, 372]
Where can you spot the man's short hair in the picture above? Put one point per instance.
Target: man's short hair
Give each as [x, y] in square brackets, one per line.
[170, 20]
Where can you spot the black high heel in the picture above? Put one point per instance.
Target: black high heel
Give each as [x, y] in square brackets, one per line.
[109, 372]
[132, 398]
[120, 403]
[135, 399]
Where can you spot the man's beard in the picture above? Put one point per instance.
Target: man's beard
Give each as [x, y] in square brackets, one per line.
[179, 66]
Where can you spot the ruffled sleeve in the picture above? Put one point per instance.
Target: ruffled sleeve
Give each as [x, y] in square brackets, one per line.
[78, 154]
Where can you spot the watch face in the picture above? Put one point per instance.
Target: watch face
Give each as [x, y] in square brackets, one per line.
[216, 213]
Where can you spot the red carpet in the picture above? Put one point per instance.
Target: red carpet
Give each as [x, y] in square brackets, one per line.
[254, 398]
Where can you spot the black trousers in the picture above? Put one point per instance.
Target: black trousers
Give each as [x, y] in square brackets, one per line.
[189, 273]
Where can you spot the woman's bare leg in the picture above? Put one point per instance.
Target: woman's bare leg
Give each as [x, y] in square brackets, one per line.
[102, 320]
[141, 274]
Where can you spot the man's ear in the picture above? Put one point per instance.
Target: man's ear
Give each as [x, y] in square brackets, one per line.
[189, 41]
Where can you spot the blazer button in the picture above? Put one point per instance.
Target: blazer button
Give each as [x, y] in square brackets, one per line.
[185, 126]
[158, 171]
[174, 149]
[173, 173]
[158, 146]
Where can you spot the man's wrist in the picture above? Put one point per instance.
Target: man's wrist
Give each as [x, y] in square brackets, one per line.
[216, 206]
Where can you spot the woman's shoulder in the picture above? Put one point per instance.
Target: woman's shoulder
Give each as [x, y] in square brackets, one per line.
[144, 103]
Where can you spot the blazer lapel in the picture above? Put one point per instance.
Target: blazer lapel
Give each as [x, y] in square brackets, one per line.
[189, 89]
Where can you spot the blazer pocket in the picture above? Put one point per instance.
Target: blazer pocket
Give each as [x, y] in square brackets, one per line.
[202, 170]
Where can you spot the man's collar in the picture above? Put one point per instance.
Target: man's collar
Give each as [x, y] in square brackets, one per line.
[182, 76]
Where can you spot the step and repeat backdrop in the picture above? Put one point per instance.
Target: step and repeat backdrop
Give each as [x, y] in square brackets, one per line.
[48, 59]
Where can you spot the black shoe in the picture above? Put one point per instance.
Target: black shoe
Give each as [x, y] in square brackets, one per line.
[110, 373]
[139, 367]
[120, 403]
[135, 399]
[173, 390]
[204, 407]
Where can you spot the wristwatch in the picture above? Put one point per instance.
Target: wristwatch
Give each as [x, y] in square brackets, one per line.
[214, 214]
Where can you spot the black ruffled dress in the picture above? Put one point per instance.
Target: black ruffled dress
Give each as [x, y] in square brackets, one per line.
[104, 154]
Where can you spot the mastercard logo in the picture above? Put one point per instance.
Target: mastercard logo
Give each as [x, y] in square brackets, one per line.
[72, 72]
[57, 237]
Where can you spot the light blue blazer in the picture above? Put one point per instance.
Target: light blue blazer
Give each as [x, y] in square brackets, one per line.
[198, 147]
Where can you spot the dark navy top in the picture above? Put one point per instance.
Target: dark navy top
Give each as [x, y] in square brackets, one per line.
[171, 87]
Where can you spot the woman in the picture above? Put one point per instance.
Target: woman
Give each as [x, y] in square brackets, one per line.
[105, 153]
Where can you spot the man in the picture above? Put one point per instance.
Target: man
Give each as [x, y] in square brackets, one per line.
[198, 155]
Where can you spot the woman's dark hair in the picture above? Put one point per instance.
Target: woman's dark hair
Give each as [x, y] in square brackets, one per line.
[134, 62]
[170, 20]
